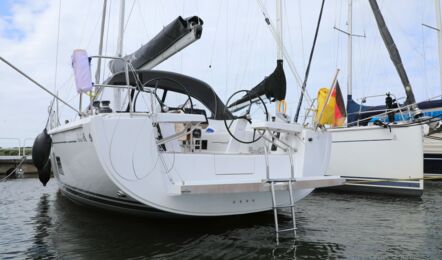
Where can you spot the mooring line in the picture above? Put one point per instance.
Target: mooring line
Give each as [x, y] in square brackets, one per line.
[23, 159]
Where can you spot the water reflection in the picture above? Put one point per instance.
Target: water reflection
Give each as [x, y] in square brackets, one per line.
[38, 223]
[41, 247]
[91, 233]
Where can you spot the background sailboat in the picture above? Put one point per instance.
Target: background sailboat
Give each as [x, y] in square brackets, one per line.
[379, 158]
[431, 112]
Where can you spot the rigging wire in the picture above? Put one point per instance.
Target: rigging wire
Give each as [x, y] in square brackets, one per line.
[103, 72]
[252, 44]
[302, 33]
[338, 35]
[404, 31]
[57, 46]
[304, 84]
[284, 50]
[214, 41]
[93, 32]
[240, 76]
[182, 53]
[86, 20]
[424, 61]
[226, 53]
[292, 39]
[231, 50]
[56, 67]
[128, 17]
[142, 20]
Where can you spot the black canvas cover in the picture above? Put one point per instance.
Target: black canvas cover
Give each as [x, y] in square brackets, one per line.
[179, 83]
[273, 87]
[165, 39]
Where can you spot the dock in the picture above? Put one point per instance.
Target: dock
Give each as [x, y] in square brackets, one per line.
[11, 157]
[9, 162]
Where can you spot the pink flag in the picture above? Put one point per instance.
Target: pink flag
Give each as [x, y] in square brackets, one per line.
[82, 71]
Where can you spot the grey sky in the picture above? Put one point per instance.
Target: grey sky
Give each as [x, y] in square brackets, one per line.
[235, 42]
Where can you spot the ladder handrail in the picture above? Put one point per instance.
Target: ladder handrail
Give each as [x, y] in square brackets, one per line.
[275, 207]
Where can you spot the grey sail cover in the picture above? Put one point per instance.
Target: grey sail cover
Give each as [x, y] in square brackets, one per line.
[164, 40]
[393, 51]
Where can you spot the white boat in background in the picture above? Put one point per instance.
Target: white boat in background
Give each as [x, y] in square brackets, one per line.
[431, 110]
[433, 155]
[382, 157]
[379, 160]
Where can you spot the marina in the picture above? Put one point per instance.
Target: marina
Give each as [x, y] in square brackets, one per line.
[153, 145]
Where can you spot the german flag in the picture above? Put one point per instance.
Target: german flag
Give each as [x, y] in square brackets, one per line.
[331, 107]
[340, 113]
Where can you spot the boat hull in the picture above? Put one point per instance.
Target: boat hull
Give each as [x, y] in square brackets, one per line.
[433, 155]
[94, 166]
[379, 160]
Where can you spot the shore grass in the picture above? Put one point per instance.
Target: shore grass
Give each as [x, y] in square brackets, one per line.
[14, 151]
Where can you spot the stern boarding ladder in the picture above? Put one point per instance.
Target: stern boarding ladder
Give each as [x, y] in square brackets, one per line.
[268, 184]
[271, 128]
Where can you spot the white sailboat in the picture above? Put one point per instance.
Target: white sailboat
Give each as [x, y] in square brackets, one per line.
[383, 158]
[147, 156]
[431, 110]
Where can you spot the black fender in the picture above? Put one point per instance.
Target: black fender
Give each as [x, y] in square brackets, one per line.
[41, 150]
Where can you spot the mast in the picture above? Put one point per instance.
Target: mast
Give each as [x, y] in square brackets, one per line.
[117, 92]
[350, 51]
[394, 55]
[439, 38]
[279, 29]
[100, 46]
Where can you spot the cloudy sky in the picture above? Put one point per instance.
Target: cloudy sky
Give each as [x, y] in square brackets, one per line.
[235, 52]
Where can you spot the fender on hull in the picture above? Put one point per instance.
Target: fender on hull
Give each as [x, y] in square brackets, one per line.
[40, 156]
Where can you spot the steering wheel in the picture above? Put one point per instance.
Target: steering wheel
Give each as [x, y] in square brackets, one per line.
[244, 111]
[154, 83]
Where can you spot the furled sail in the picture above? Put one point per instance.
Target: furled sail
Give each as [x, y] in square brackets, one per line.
[174, 37]
[273, 87]
[394, 53]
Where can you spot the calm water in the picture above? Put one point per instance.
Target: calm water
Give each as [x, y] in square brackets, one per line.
[39, 222]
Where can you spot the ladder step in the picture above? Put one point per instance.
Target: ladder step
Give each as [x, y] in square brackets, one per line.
[284, 206]
[286, 230]
[280, 180]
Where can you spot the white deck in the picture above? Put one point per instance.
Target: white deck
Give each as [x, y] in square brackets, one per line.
[178, 118]
[213, 187]
[277, 126]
